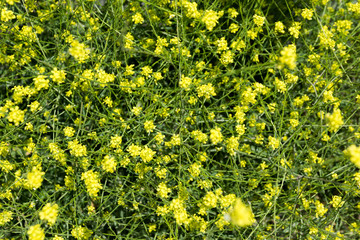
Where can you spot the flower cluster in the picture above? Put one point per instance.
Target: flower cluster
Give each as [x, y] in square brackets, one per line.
[49, 213]
[92, 182]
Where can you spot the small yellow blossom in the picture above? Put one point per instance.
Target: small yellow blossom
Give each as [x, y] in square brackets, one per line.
[77, 149]
[240, 214]
[58, 76]
[354, 153]
[280, 85]
[194, 169]
[34, 106]
[34, 178]
[7, 15]
[57, 238]
[210, 19]
[152, 228]
[279, 27]
[41, 82]
[206, 90]
[227, 57]
[325, 36]
[233, 13]
[115, 141]
[136, 110]
[149, 126]
[234, 28]
[258, 20]
[49, 213]
[159, 138]
[185, 83]
[69, 131]
[16, 115]
[147, 154]
[274, 142]
[294, 30]
[199, 136]
[334, 120]
[215, 135]
[92, 182]
[320, 209]
[336, 202]
[134, 150]
[109, 164]
[81, 233]
[5, 216]
[307, 13]
[137, 18]
[35, 232]
[163, 190]
[288, 56]
[79, 51]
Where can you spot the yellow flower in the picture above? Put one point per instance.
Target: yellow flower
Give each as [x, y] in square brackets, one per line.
[137, 18]
[149, 125]
[152, 228]
[159, 137]
[199, 136]
[49, 213]
[115, 141]
[232, 12]
[240, 214]
[234, 28]
[210, 200]
[274, 142]
[76, 149]
[194, 169]
[79, 51]
[288, 57]
[280, 85]
[336, 202]
[320, 209]
[206, 90]
[227, 57]
[34, 178]
[334, 120]
[210, 19]
[58, 76]
[57, 238]
[163, 190]
[147, 154]
[232, 144]
[109, 164]
[136, 110]
[36, 233]
[81, 233]
[7, 15]
[307, 13]
[69, 131]
[41, 82]
[294, 30]
[191, 9]
[354, 153]
[5, 216]
[92, 182]
[279, 27]
[134, 150]
[16, 115]
[325, 36]
[215, 135]
[185, 83]
[258, 20]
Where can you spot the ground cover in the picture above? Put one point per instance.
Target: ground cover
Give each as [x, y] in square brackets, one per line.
[179, 119]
